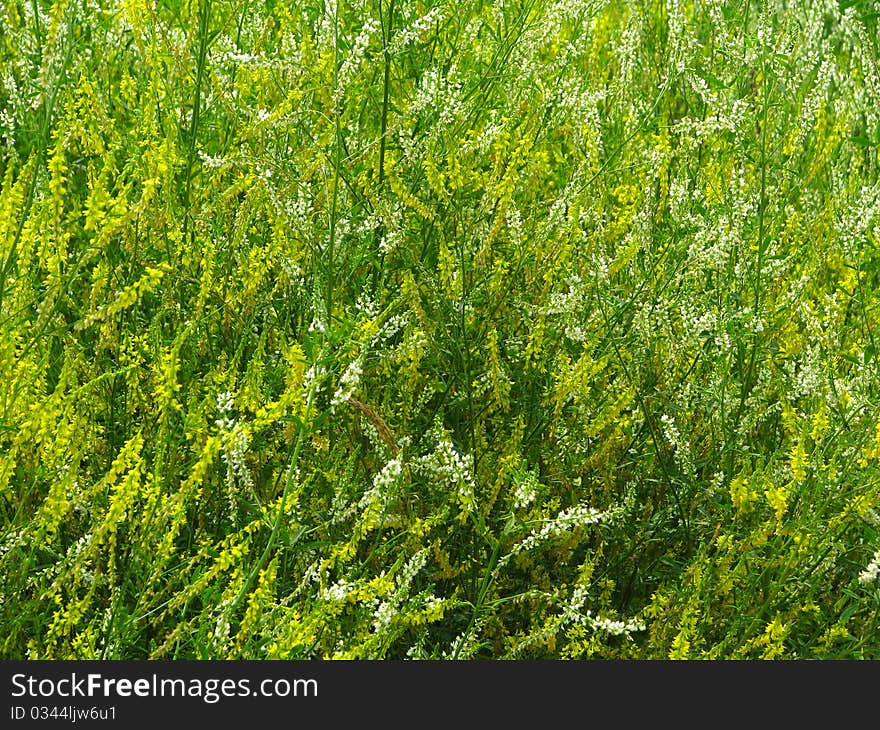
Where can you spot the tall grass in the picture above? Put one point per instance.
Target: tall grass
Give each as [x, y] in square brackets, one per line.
[387, 329]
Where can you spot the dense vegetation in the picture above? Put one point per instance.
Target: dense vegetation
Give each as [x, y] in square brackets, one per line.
[534, 328]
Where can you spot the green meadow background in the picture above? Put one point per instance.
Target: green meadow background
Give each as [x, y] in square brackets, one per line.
[459, 330]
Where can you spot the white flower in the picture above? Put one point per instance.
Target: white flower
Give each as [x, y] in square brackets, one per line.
[872, 572]
[416, 30]
[338, 592]
[567, 520]
[525, 490]
[356, 55]
[613, 626]
[389, 475]
[210, 162]
[383, 615]
[225, 402]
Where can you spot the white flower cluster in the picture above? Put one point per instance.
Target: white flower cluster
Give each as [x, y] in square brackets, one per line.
[394, 230]
[342, 508]
[679, 445]
[480, 143]
[525, 489]
[441, 92]
[807, 371]
[416, 30]
[348, 383]
[226, 54]
[338, 592]
[388, 476]
[314, 374]
[572, 612]
[222, 627]
[367, 307]
[392, 326]
[449, 465]
[7, 129]
[858, 219]
[447, 468]
[692, 131]
[385, 610]
[383, 615]
[628, 54]
[614, 626]
[210, 162]
[15, 539]
[225, 403]
[567, 520]
[235, 447]
[325, 28]
[872, 572]
[569, 308]
[711, 245]
[411, 569]
[871, 517]
[355, 56]
[375, 499]
[467, 643]
[235, 457]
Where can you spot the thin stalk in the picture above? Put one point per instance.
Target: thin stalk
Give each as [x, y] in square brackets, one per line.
[334, 196]
[39, 156]
[204, 19]
[386, 86]
[379, 231]
[483, 591]
[334, 203]
[749, 378]
[289, 479]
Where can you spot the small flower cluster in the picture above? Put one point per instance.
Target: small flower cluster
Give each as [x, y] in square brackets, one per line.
[567, 520]
[870, 574]
[348, 383]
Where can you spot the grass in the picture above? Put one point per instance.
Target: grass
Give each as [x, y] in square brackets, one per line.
[457, 330]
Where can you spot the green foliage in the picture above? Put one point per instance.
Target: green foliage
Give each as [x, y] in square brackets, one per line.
[380, 329]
